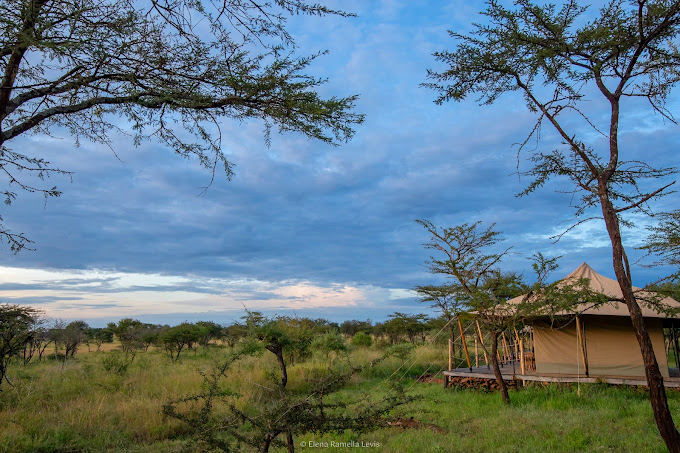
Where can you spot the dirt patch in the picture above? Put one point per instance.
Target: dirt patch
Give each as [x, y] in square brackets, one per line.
[430, 378]
[404, 423]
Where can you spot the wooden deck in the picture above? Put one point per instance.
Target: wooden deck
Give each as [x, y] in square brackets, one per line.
[509, 373]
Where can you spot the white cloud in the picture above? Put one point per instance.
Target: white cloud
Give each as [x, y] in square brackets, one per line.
[84, 294]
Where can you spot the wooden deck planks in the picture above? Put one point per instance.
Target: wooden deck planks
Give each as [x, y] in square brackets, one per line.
[508, 374]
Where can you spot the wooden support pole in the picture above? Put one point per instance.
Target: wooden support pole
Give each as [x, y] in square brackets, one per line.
[450, 354]
[481, 340]
[506, 348]
[582, 343]
[462, 338]
[476, 353]
[520, 344]
[675, 343]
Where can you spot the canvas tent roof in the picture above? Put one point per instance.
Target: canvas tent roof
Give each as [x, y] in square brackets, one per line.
[601, 284]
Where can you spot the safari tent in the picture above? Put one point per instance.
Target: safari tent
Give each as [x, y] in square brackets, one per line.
[600, 341]
[594, 343]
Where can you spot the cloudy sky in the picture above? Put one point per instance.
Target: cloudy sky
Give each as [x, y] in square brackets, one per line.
[304, 227]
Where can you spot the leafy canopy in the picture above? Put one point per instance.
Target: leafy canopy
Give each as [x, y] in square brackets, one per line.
[565, 60]
[172, 70]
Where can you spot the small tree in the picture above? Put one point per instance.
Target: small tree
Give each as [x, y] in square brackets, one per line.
[210, 331]
[101, 336]
[72, 336]
[55, 335]
[352, 327]
[17, 327]
[129, 332]
[402, 325]
[175, 339]
[362, 340]
[466, 260]
[331, 342]
[260, 422]
[37, 343]
[273, 336]
[233, 333]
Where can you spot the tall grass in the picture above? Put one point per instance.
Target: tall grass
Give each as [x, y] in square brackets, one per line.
[80, 406]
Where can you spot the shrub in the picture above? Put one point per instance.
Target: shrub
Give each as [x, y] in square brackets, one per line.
[362, 340]
[115, 363]
[330, 342]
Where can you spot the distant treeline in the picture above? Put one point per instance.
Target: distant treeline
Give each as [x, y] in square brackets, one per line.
[26, 334]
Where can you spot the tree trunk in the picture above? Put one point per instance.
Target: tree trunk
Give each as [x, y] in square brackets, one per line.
[657, 392]
[290, 443]
[496, 368]
[267, 442]
[278, 352]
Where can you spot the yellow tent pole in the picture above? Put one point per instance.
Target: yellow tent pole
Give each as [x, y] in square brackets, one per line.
[521, 351]
[462, 338]
[582, 343]
[450, 354]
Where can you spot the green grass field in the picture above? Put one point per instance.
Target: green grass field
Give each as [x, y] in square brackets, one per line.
[81, 406]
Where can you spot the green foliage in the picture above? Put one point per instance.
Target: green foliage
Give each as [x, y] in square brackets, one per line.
[209, 331]
[101, 336]
[401, 325]
[563, 60]
[403, 351]
[234, 332]
[73, 335]
[81, 407]
[292, 336]
[116, 363]
[362, 340]
[351, 327]
[175, 339]
[260, 421]
[328, 343]
[18, 325]
[625, 51]
[134, 335]
[664, 241]
[172, 69]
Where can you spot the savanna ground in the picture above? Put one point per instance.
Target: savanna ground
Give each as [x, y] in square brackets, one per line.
[90, 403]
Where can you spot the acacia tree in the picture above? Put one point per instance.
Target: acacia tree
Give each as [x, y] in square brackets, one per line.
[72, 336]
[484, 290]
[559, 59]
[18, 325]
[223, 419]
[171, 68]
[175, 339]
[475, 276]
[129, 332]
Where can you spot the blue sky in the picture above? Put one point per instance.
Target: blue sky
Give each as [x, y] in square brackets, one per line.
[304, 227]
